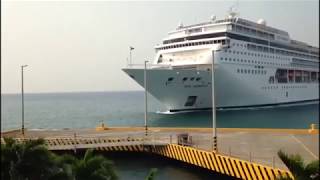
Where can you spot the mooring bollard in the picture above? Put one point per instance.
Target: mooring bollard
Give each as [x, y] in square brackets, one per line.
[313, 128]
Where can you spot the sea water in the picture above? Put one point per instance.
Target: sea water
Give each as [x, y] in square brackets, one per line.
[89, 109]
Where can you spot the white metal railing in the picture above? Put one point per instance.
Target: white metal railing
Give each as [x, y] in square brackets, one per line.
[150, 66]
[153, 138]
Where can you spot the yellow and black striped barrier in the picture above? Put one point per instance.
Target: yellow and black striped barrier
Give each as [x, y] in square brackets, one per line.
[221, 164]
[212, 161]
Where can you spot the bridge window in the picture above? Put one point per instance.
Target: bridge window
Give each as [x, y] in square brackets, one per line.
[184, 79]
[198, 78]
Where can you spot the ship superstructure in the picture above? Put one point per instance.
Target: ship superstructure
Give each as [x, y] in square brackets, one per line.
[254, 65]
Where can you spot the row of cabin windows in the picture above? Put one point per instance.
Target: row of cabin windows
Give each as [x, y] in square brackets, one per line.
[253, 32]
[251, 71]
[256, 54]
[308, 51]
[265, 49]
[283, 87]
[222, 41]
[170, 79]
[294, 76]
[250, 61]
[239, 45]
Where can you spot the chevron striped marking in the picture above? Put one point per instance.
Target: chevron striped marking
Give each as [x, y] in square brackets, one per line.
[219, 163]
[222, 164]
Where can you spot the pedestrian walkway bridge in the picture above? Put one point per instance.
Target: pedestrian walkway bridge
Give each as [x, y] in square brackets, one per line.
[169, 147]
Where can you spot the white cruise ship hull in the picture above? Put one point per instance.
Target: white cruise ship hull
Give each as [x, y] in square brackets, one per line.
[185, 92]
[254, 65]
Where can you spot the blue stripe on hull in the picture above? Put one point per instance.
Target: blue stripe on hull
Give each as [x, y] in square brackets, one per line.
[244, 107]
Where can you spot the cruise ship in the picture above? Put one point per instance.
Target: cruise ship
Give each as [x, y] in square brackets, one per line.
[253, 65]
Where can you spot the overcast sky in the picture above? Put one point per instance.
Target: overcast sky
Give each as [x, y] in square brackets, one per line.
[82, 45]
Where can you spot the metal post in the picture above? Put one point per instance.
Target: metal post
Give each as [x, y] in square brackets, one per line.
[131, 48]
[145, 98]
[75, 143]
[22, 100]
[273, 161]
[214, 125]
[130, 57]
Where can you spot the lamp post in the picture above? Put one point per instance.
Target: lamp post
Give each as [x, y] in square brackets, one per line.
[214, 123]
[145, 98]
[22, 99]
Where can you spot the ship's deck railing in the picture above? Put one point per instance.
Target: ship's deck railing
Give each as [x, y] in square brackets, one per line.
[149, 66]
[164, 66]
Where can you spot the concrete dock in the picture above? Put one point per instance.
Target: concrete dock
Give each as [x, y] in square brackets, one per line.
[254, 145]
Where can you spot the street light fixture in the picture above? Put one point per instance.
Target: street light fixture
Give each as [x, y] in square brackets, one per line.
[145, 98]
[22, 99]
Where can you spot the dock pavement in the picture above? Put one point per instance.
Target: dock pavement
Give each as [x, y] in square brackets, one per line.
[255, 145]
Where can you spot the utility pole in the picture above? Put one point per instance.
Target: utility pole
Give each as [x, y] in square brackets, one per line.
[145, 98]
[214, 123]
[22, 99]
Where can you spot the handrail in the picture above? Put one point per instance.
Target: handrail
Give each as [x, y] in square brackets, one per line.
[150, 66]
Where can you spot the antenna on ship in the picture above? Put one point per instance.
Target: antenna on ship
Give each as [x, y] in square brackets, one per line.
[233, 10]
